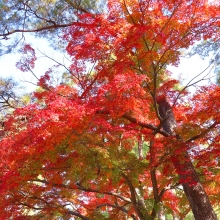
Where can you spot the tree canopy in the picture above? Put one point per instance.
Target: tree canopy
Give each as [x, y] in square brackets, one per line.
[123, 140]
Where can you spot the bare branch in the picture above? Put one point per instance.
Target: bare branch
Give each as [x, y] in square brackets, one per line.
[191, 84]
[4, 36]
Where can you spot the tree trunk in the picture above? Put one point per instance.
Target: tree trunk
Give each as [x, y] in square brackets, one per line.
[195, 193]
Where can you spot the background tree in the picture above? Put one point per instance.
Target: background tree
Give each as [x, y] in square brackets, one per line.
[120, 141]
[45, 18]
[12, 96]
[8, 97]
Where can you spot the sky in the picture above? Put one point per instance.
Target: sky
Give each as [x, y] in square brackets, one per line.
[8, 62]
[190, 68]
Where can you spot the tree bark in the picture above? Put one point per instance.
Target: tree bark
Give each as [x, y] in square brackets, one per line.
[194, 191]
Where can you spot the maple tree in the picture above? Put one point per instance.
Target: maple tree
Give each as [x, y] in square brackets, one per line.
[123, 141]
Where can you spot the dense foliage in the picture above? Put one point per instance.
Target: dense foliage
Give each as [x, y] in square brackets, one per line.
[124, 139]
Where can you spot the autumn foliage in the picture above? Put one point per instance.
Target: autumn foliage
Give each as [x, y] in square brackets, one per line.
[99, 149]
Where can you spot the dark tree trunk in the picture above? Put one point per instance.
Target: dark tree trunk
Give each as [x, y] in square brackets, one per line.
[195, 193]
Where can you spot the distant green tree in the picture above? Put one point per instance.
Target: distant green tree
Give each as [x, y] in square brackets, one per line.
[8, 97]
[45, 18]
[12, 96]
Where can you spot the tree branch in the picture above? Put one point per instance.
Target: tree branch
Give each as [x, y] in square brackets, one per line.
[145, 125]
[202, 133]
[79, 187]
[117, 207]
[78, 215]
[38, 29]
